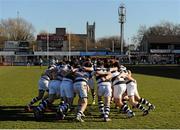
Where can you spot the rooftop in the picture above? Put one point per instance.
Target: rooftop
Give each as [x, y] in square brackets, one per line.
[163, 39]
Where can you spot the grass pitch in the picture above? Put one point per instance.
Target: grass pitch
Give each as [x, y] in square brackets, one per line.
[18, 85]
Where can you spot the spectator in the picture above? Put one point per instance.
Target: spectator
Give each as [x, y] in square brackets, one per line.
[40, 62]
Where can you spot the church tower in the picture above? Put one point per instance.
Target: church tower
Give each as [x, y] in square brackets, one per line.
[90, 32]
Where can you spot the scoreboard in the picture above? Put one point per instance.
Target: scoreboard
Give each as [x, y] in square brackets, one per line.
[51, 38]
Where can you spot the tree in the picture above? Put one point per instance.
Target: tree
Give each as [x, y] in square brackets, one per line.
[163, 29]
[77, 42]
[17, 29]
[107, 42]
[43, 32]
[2, 39]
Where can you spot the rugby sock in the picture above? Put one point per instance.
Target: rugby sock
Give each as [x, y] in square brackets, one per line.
[79, 107]
[62, 101]
[144, 101]
[42, 106]
[106, 111]
[101, 106]
[79, 114]
[64, 107]
[126, 109]
[34, 100]
[139, 106]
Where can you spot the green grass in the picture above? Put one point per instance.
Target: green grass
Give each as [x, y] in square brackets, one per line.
[19, 84]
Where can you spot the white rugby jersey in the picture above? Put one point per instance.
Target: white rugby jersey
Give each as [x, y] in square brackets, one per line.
[59, 75]
[118, 78]
[67, 72]
[46, 75]
[100, 76]
[82, 75]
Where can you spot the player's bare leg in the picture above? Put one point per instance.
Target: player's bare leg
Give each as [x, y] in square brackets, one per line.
[82, 106]
[107, 103]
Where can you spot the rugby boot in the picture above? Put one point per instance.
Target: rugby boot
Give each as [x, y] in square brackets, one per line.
[146, 112]
[152, 107]
[93, 102]
[107, 119]
[28, 109]
[60, 114]
[130, 114]
[79, 119]
[37, 114]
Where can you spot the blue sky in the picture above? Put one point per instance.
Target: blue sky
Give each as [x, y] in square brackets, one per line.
[73, 14]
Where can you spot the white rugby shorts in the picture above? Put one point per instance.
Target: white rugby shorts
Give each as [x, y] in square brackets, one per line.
[54, 87]
[43, 84]
[81, 88]
[131, 88]
[67, 89]
[119, 90]
[104, 89]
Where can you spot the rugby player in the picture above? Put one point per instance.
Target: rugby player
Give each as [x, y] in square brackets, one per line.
[90, 65]
[81, 88]
[54, 93]
[131, 90]
[42, 88]
[66, 90]
[104, 90]
[119, 88]
[137, 96]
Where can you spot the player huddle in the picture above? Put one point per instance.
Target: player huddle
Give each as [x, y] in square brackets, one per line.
[67, 79]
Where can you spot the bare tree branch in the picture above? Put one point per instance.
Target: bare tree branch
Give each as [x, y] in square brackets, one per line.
[17, 29]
